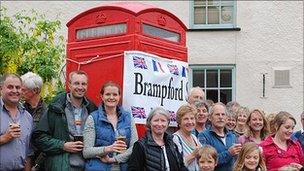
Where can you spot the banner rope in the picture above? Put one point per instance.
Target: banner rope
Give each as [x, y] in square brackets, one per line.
[93, 59]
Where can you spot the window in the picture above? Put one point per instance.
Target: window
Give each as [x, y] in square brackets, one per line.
[213, 14]
[161, 33]
[217, 82]
[101, 31]
[281, 77]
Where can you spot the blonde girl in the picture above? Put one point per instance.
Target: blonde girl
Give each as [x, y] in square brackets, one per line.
[250, 158]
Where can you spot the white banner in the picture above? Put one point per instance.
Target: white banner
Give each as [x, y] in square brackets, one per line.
[151, 81]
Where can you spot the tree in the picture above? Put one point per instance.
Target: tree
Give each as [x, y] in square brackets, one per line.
[30, 43]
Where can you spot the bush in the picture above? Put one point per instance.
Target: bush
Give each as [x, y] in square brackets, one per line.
[30, 43]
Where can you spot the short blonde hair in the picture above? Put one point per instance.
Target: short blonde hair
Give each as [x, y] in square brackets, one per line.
[242, 110]
[206, 152]
[183, 110]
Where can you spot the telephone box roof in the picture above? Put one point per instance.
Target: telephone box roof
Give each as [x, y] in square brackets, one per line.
[134, 8]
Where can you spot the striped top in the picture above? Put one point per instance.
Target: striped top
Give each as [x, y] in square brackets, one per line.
[185, 148]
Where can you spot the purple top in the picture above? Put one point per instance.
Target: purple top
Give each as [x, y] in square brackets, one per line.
[244, 139]
[14, 153]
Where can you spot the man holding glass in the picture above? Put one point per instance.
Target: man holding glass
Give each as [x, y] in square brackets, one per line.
[59, 132]
[15, 126]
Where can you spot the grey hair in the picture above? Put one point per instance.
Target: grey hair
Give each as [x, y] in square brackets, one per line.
[196, 88]
[242, 109]
[199, 104]
[211, 109]
[32, 81]
[158, 110]
[231, 104]
[230, 113]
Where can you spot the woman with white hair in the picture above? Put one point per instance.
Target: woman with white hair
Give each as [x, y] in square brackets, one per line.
[156, 151]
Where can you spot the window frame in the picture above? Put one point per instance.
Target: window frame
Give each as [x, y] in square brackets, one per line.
[213, 26]
[218, 68]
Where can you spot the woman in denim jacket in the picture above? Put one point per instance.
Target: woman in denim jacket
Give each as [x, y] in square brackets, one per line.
[109, 133]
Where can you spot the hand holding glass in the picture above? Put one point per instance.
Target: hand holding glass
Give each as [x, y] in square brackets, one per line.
[14, 129]
[121, 140]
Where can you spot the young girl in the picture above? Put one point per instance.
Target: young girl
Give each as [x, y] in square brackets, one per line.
[207, 158]
[250, 158]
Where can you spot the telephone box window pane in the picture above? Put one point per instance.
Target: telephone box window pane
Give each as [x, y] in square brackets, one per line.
[101, 31]
[226, 96]
[198, 78]
[161, 33]
[226, 78]
[212, 95]
[212, 78]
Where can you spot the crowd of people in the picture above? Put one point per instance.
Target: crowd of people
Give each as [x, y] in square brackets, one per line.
[71, 133]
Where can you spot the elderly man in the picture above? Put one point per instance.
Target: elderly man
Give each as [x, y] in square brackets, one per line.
[220, 138]
[58, 133]
[299, 135]
[33, 103]
[31, 88]
[196, 94]
[15, 126]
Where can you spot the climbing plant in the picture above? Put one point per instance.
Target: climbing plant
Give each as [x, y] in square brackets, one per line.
[30, 42]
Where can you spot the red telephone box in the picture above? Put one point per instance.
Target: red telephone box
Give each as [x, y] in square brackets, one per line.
[97, 39]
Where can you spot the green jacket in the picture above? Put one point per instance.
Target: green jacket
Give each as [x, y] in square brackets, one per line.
[52, 132]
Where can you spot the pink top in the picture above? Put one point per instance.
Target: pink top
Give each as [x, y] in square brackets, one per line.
[244, 139]
[275, 157]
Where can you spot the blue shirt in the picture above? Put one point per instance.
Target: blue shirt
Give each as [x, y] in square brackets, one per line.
[225, 159]
[14, 153]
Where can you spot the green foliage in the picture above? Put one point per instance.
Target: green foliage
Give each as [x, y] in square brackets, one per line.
[30, 43]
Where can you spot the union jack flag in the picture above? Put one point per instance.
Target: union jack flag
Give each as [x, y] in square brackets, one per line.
[138, 112]
[173, 69]
[139, 62]
[172, 116]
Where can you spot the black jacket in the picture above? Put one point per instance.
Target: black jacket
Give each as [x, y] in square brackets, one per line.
[148, 156]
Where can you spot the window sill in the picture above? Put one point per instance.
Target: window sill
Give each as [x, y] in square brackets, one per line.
[215, 29]
[282, 86]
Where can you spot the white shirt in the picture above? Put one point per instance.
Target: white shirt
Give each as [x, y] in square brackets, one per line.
[166, 158]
